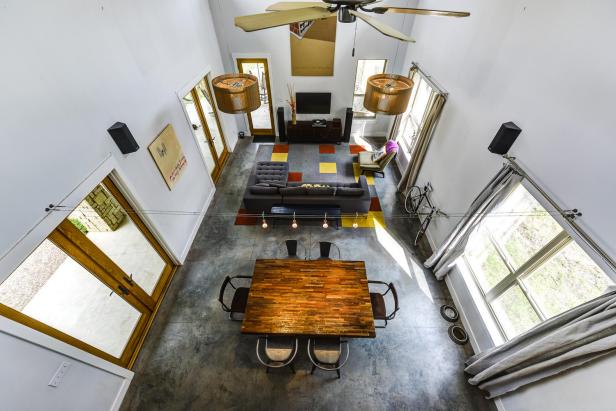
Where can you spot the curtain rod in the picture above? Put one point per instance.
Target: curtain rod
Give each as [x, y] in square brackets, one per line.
[428, 78]
[568, 214]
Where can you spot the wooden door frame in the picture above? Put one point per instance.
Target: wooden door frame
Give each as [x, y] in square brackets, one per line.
[225, 157]
[262, 59]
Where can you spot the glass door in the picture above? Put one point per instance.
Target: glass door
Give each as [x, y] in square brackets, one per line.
[95, 282]
[260, 121]
[201, 110]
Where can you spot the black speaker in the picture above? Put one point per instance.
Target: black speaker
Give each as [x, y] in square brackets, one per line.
[348, 123]
[504, 139]
[123, 138]
[282, 129]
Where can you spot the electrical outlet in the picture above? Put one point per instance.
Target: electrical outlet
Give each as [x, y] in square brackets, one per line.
[59, 374]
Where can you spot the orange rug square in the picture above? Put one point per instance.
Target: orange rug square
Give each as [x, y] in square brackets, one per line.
[295, 176]
[375, 204]
[281, 148]
[355, 149]
[243, 218]
[327, 149]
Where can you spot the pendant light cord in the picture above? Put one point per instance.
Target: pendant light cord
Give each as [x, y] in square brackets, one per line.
[354, 39]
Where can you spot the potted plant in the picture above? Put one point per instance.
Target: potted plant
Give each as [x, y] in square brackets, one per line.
[292, 104]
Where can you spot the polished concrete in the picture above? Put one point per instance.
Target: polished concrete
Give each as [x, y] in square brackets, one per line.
[195, 358]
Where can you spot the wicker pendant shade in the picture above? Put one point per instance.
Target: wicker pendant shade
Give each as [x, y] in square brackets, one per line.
[236, 93]
[388, 93]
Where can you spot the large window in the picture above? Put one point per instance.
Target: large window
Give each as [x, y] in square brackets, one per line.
[526, 267]
[412, 120]
[365, 69]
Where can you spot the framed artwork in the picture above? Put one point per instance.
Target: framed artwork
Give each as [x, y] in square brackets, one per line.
[168, 156]
[313, 46]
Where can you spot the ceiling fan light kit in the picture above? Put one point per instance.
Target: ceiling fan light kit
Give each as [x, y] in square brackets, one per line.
[388, 93]
[236, 93]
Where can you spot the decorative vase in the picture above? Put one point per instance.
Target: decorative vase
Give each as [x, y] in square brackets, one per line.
[293, 117]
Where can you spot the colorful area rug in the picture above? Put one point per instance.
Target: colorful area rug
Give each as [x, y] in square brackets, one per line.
[321, 163]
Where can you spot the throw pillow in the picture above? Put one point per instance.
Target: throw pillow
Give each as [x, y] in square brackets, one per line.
[263, 190]
[311, 185]
[349, 191]
[293, 191]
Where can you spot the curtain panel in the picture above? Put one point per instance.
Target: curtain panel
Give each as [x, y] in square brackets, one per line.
[443, 259]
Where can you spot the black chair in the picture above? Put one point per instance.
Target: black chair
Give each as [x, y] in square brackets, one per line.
[379, 308]
[279, 352]
[326, 354]
[240, 297]
[325, 248]
[292, 248]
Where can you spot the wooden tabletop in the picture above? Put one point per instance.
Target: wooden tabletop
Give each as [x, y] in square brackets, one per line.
[312, 298]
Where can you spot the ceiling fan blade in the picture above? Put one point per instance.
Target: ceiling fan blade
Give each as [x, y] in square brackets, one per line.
[425, 12]
[292, 5]
[262, 21]
[382, 27]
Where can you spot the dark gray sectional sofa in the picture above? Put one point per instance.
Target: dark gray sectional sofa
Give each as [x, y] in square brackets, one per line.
[268, 186]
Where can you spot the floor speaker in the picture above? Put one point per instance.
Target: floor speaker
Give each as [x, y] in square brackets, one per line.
[123, 138]
[348, 123]
[282, 129]
[505, 138]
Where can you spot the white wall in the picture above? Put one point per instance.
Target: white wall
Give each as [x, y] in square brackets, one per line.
[275, 43]
[69, 70]
[547, 66]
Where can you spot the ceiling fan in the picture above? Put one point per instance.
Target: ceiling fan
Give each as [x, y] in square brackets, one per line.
[288, 12]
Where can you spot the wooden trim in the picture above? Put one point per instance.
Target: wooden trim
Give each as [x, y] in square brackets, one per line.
[261, 131]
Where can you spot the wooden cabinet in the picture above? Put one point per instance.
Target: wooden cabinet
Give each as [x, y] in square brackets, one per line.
[305, 132]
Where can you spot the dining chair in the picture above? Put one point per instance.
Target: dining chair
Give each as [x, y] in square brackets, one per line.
[239, 299]
[292, 248]
[279, 352]
[325, 248]
[379, 308]
[326, 354]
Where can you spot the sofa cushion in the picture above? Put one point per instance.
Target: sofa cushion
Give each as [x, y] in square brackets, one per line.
[320, 191]
[272, 183]
[351, 185]
[263, 190]
[349, 191]
[292, 191]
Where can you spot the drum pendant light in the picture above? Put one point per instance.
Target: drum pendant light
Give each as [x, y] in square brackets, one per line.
[388, 93]
[236, 93]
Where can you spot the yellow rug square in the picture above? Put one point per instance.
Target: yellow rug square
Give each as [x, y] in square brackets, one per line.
[280, 157]
[371, 220]
[357, 172]
[327, 168]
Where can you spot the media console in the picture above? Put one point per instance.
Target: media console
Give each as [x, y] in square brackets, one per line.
[306, 132]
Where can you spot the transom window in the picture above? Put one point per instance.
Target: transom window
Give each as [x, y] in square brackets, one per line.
[527, 267]
[365, 69]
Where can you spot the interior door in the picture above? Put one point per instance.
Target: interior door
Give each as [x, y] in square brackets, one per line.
[260, 121]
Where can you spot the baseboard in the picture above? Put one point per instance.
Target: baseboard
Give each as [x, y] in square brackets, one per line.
[463, 317]
[117, 403]
[195, 229]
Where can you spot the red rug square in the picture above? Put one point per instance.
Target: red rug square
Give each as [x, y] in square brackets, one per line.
[327, 149]
[243, 218]
[281, 148]
[375, 204]
[295, 176]
[355, 149]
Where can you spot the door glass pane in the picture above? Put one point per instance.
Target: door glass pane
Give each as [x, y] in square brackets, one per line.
[105, 222]
[207, 105]
[197, 127]
[514, 312]
[260, 117]
[568, 279]
[487, 265]
[521, 226]
[358, 107]
[54, 289]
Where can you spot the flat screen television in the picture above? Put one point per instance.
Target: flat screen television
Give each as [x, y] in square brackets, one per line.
[313, 103]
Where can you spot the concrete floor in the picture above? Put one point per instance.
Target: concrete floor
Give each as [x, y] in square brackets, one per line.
[195, 358]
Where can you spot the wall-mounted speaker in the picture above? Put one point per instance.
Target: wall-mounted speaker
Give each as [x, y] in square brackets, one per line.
[348, 123]
[504, 139]
[282, 128]
[123, 138]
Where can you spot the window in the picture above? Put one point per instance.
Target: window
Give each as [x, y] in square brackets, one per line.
[526, 267]
[365, 69]
[412, 120]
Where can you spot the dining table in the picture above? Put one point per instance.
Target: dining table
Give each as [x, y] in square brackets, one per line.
[315, 298]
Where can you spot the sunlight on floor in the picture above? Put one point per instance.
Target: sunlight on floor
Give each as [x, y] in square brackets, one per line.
[361, 141]
[422, 282]
[392, 247]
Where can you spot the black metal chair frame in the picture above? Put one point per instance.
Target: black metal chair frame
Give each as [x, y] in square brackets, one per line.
[229, 281]
[326, 366]
[299, 244]
[277, 364]
[394, 293]
[320, 256]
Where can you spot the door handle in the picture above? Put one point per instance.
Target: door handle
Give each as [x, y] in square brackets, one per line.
[123, 289]
[129, 279]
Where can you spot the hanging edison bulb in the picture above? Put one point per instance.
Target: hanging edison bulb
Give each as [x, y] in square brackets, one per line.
[236, 93]
[388, 93]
